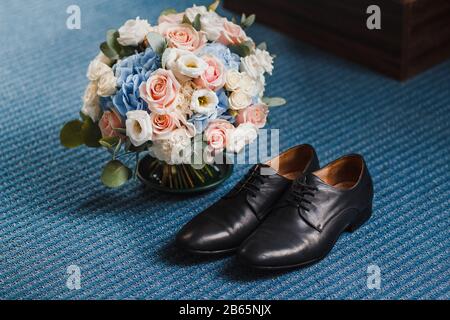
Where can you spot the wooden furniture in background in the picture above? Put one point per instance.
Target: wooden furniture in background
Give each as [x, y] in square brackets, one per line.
[414, 35]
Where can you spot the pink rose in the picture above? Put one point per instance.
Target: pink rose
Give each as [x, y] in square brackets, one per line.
[256, 115]
[160, 91]
[108, 122]
[173, 18]
[214, 76]
[217, 132]
[182, 36]
[231, 34]
[163, 125]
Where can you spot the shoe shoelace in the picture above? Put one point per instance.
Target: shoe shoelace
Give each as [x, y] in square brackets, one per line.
[251, 182]
[297, 195]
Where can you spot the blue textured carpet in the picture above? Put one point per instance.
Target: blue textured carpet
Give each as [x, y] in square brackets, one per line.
[55, 212]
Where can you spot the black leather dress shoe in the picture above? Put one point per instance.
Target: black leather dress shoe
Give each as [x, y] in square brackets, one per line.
[310, 217]
[226, 224]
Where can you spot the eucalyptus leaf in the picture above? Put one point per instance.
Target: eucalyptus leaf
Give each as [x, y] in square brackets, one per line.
[196, 23]
[157, 42]
[115, 174]
[233, 19]
[83, 116]
[243, 18]
[242, 49]
[107, 51]
[262, 46]
[111, 40]
[186, 20]
[91, 134]
[70, 135]
[213, 6]
[274, 101]
[249, 21]
[109, 142]
[168, 11]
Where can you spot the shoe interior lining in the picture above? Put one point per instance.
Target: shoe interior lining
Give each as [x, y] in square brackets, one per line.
[344, 173]
[292, 163]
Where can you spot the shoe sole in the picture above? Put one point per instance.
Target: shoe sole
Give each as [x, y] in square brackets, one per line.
[209, 253]
[362, 218]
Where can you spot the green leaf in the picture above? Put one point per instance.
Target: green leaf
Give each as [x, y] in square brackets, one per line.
[242, 49]
[107, 51]
[111, 40]
[243, 18]
[233, 19]
[120, 130]
[196, 23]
[157, 42]
[213, 6]
[186, 20]
[168, 11]
[249, 21]
[83, 116]
[91, 134]
[274, 101]
[262, 46]
[109, 142]
[115, 174]
[70, 135]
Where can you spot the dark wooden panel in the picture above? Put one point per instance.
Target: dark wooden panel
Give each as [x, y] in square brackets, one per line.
[415, 34]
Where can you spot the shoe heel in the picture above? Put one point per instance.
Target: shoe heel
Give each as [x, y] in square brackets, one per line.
[360, 219]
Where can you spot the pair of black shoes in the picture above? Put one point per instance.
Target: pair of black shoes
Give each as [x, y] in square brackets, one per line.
[285, 213]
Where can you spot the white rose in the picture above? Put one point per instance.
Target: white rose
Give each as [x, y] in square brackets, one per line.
[191, 66]
[244, 134]
[260, 86]
[102, 58]
[233, 80]
[138, 127]
[212, 25]
[239, 100]
[107, 84]
[96, 69]
[248, 84]
[204, 101]
[251, 66]
[133, 32]
[91, 102]
[184, 97]
[191, 13]
[175, 150]
[265, 60]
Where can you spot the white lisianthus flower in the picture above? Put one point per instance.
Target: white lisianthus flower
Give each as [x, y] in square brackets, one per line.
[233, 80]
[174, 150]
[248, 84]
[239, 100]
[251, 66]
[107, 84]
[184, 64]
[204, 101]
[96, 69]
[190, 65]
[138, 127]
[91, 102]
[133, 32]
[244, 134]
[192, 12]
[212, 25]
[265, 60]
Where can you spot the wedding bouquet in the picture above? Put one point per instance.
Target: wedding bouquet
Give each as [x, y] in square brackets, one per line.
[195, 76]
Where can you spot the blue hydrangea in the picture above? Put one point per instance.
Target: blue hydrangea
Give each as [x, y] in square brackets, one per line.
[130, 73]
[200, 121]
[222, 52]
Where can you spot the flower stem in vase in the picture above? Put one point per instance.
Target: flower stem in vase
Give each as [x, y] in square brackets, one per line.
[187, 176]
[198, 174]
